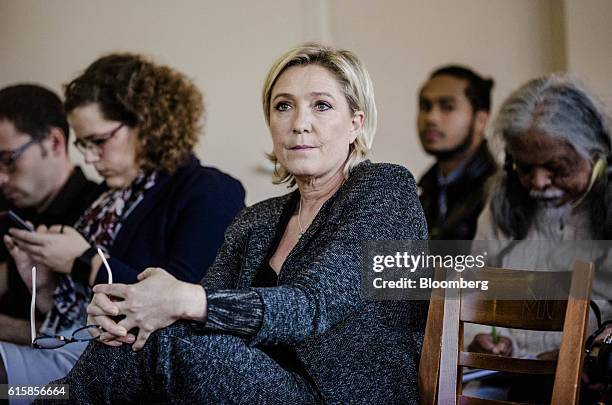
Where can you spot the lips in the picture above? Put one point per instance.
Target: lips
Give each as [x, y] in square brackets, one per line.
[431, 135]
[103, 173]
[301, 147]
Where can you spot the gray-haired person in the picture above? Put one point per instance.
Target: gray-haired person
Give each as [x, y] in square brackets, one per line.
[555, 186]
[279, 318]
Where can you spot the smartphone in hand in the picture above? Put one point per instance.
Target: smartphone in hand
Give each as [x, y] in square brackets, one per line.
[20, 222]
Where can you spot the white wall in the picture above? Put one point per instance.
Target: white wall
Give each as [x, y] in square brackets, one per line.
[589, 44]
[403, 41]
[228, 46]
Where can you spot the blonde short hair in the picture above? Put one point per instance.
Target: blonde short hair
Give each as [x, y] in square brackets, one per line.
[356, 86]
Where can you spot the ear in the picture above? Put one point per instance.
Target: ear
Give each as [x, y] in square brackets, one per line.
[57, 141]
[480, 122]
[356, 124]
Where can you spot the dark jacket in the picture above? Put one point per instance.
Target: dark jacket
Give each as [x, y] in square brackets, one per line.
[465, 197]
[355, 351]
[178, 226]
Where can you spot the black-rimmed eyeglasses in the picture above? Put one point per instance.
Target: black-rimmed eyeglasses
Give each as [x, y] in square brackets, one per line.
[83, 334]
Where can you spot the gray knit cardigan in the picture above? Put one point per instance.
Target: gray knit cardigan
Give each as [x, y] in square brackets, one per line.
[356, 351]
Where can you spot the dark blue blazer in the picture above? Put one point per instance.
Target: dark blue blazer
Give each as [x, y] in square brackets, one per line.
[178, 226]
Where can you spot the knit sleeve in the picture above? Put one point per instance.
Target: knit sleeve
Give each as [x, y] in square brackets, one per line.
[238, 312]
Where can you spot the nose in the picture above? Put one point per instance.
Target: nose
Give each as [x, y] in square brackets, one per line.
[540, 178]
[302, 122]
[431, 116]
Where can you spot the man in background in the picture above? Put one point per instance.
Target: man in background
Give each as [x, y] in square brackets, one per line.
[555, 187]
[38, 182]
[454, 107]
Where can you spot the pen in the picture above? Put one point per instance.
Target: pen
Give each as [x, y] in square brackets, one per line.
[494, 335]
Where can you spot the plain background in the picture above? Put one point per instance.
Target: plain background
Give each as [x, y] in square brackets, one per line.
[226, 48]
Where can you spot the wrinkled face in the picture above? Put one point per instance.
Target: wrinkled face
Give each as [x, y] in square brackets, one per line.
[550, 168]
[445, 116]
[116, 156]
[27, 183]
[311, 122]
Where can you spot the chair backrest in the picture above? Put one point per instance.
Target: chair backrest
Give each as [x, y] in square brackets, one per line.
[442, 358]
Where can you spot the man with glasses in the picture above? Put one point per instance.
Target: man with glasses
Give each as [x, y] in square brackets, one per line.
[38, 182]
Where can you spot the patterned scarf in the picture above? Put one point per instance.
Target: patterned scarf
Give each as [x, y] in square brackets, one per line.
[100, 225]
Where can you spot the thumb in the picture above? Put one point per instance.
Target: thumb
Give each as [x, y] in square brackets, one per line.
[147, 273]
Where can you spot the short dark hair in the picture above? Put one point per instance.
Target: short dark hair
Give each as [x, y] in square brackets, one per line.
[478, 90]
[33, 110]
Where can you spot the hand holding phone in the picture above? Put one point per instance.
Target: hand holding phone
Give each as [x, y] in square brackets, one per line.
[20, 222]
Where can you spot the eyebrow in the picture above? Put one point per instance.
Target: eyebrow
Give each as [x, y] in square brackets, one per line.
[314, 93]
[90, 136]
[441, 99]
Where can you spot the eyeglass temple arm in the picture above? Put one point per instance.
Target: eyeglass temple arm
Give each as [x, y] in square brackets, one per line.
[33, 306]
[108, 269]
[33, 300]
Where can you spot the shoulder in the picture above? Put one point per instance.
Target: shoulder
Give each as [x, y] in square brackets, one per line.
[266, 211]
[392, 179]
[193, 169]
[195, 177]
[486, 228]
[213, 177]
[429, 179]
[383, 195]
[482, 165]
[262, 214]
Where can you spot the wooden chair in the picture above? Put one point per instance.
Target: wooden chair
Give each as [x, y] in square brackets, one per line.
[442, 358]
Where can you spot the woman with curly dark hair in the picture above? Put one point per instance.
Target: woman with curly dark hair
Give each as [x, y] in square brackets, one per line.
[137, 122]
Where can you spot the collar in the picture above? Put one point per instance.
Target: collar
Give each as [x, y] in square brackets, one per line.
[480, 164]
[452, 176]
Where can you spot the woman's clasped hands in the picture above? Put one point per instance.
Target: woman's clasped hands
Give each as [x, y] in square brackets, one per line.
[156, 301]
